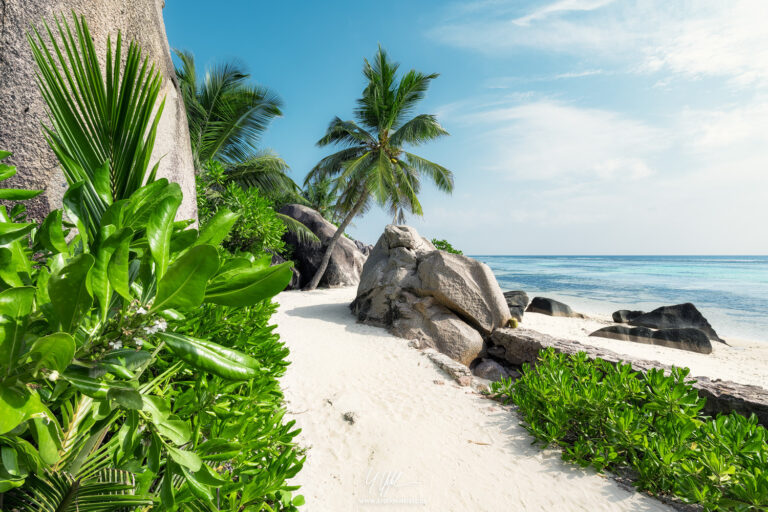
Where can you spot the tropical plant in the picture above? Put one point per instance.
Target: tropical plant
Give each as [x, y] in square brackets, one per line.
[322, 195]
[445, 245]
[91, 351]
[373, 165]
[649, 425]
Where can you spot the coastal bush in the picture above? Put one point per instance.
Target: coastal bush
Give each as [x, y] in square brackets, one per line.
[647, 426]
[110, 398]
[446, 246]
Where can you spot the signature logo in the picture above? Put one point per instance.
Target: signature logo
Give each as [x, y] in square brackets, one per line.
[387, 488]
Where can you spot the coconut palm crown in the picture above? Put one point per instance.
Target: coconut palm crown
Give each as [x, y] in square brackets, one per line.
[372, 165]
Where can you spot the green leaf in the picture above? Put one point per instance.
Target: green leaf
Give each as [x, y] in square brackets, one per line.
[17, 405]
[184, 458]
[126, 397]
[159, 230]
[166, 489]
[48, 439]
[176, 430]
[241, 287]
[51, 233]
[102, 183]
[54, 352]
[70, 291]
[118, 268]
[15, 306]
[100, 282]
[153, 454]
[12, 231]
[223, 362]
[73, 203]
[183, 286]
[18, 194]
[217, 228]
[209, 478]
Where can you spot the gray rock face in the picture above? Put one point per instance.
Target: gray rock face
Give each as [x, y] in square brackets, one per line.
[517, 301]
[23, 108]
[346, 260]
[550, 307]
[523, 346]
[689, 339]
[676, 317]
[443, 300]
[623, 316]
[493, 370]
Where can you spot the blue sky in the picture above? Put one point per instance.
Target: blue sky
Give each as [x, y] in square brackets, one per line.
[577, 126]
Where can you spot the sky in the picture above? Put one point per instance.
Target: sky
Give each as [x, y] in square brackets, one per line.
[577, 126]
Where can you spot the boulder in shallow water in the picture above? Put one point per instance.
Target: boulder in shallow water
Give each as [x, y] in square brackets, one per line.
[517, 301]
[689, 339]
[679, 316]
[623, 316]
[550, 307]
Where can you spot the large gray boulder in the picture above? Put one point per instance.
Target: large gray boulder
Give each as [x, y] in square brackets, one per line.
[22, 108]
[687, 338]
[679, 316]
[550, 307]
[446, 301]
[517, 301]
[346, 262]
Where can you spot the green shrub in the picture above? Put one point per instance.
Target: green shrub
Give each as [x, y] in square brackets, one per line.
[444, 245]
[611, 417]
[258, 228]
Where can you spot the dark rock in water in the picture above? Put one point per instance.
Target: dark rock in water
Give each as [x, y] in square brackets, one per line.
[676, 317]
[689, 339]
[626, 333]
[686, 338]
[517, 302]
[623, 316]
[550, 307]
[346, 260]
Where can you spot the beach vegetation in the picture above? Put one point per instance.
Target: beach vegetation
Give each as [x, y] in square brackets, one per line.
[445, 245]
[646, 426]
[137, 365]
[373, 165]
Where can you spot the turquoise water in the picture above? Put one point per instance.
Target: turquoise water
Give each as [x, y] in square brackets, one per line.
[731, 291]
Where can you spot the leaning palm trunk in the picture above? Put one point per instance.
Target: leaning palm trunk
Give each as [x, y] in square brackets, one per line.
[332, 244]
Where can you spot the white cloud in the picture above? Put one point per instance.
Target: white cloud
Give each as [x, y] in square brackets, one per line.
[689, 38]
[546, 139]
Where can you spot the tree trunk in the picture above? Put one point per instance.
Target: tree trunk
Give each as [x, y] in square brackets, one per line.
[332, 243]
[22, 107]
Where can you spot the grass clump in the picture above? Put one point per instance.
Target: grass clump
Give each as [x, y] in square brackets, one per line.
[649, 426]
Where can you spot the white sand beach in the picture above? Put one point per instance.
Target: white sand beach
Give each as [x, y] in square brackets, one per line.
[418, 441]
[745, 362]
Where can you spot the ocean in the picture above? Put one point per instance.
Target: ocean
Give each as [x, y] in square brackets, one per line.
[731, 291]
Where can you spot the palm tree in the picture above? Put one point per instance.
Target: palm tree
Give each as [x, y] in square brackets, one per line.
[372, 165]
[322, 195]
[227, 116]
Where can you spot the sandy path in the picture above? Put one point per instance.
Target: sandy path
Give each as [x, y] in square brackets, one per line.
[414, 445]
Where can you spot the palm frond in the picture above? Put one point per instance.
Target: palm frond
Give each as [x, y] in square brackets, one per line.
[333, 164]
[411, 90]
[97, 119]
[265, 171]
[419, 130]
[302, 232]
[442, 177]
[345, 133]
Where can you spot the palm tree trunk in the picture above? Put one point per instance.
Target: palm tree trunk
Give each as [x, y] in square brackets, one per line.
[332, 243]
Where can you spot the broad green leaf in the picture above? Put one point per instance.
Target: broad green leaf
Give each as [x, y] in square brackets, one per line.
[176, 430]
[12, 231]
[208, 477]
[102, 183]
[70, 291]
[153, 454]
[223, 362]
[242, 287]
[127, 357]
[167, 494]
[184, 458]
[48, 439]
[118, 270]
[183, 286]
[18, 194]
[115, 214]
[182, 240]
[19, 404]
[10, 460]
[218, 227]
[51, 233]
[15, 306]
[126, 397]
[159, 229]
[197, 488]
[144, 202]
[8, 271]
[100, 282]
[54, 352]
[73, 203]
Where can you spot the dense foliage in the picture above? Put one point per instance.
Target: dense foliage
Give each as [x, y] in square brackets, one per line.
[372, 165]
[445, 245]
[647, 425]
[126, 378]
